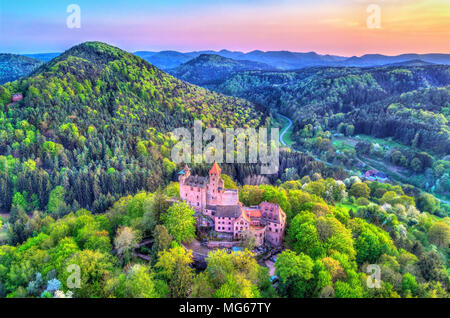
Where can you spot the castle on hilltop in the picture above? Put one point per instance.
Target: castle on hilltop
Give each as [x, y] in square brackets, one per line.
[220, 208]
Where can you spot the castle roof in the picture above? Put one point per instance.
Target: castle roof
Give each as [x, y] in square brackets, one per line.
[252, 213]
[228, 211]
[215, 169]
[196, 181]
[185, 170]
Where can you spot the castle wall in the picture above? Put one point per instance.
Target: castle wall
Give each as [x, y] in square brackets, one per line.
[194, 196]
[224, 224]
[259, 235]
[230, 197]
[213, 196]
[274, 233]
[266, 223]
[240, 225]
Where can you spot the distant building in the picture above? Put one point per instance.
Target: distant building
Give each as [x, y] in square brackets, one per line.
[16, 98]
[375, 175]
[220, 209]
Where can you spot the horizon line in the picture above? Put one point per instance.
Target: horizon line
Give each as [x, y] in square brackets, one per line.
[232, 51]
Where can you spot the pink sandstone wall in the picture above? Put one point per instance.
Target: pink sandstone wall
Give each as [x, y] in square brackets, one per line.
[240, 225]
[194, 196]
[259, 234]
[230, 197]
[224, 224]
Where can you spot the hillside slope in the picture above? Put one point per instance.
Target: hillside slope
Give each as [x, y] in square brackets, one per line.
[208, 69]
[287, 60]
[14, 66]
[329, 96]
[95, 120]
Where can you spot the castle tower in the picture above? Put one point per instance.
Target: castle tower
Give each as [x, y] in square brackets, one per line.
[184, 174]
[215, 185]
[215, 170]
[214, 176]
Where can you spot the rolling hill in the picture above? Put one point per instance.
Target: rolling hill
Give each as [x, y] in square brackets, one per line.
[286, 60]
[208, 69]
[96, 120]
[328, 96]
[370, 60]
[14, 66]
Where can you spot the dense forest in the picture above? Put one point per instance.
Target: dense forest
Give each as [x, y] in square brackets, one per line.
[96, 121]
[210, 69]
[374, 100]
[86, 180]
[394, 118]
[14, 66]
[287, 60]
[335, 229]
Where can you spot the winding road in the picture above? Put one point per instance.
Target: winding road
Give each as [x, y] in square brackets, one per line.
[283, 142]
[285, 129]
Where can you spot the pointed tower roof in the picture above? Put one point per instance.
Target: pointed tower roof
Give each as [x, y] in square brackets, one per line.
[185, 170]
[215, 169]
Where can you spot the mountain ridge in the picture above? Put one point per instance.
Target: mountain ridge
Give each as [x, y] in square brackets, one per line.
[13, 66]
[207, 69]
[96, 108]
[287, 60]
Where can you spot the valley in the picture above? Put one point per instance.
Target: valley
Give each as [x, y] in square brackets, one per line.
[399, 111]
[87, 178]
[286, 132]
[221, 157]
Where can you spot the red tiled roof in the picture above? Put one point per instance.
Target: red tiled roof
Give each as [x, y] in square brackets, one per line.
[252, 213]
[215, 169]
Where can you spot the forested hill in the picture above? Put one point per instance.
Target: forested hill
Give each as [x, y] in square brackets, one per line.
[372, 100]
[95, 121]
[14, 66]
[208, 69]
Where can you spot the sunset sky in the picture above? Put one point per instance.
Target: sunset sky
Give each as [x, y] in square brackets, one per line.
[325, 26]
